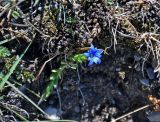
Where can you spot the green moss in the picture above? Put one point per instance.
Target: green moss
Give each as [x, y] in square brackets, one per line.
[4, 52]
[27, 76]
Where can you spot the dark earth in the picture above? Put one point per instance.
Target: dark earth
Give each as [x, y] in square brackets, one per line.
[103, 91]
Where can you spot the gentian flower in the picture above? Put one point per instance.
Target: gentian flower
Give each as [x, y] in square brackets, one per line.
[93, 55]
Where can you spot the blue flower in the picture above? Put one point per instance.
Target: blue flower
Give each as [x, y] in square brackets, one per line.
[93, 55]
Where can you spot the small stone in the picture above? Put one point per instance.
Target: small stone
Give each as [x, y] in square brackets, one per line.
[121, 75]
[13, 51]
[144, 82]
[112, 110]
[129, 67]
[40, 8]
[137, 57]
[137, 67]
[150, 73]
[118, 69]
[52, 113]
[77, 109]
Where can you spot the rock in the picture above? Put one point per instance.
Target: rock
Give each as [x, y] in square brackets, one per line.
[77, 109]
[137, 67]
[144, 82]
[118, 69]
[122, 75]
[112, 110]
[154, 117]
[137, 57]
[150, 73]
[52, 113]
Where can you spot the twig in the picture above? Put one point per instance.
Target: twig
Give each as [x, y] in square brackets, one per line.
[26, 88]
[12, 107]
[18, 25]
[28, 99]
[43, 66]
[7, 7]
[139, 109]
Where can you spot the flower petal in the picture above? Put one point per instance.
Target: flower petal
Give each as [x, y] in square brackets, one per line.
[89, 58]
[90, 63]
[86, 54]
[99, 61]
[96, 60]
[92, 51]
[98, 55]
[99, 51]
[93, 55]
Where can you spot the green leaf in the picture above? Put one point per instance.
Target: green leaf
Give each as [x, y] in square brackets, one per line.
[7, 40]
[48, 90]
[1, 76]
[6, 77]
[79, 58]
[71, 20]
[110, 2]
[1, 98]
[15, 14]
[36, 3]
[4, 52]
[54, 78]
[57, 73]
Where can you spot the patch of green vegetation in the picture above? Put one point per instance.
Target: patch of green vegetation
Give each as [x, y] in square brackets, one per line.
[16, 15]
[11, 66]
[9, 62]
[79, 58]
[4, 52]
[27, 76]
[109, 2]
[56, 74]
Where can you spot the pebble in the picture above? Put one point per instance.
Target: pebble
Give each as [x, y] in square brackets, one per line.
[122, 75]
[150, 73]
[40, 8]
[137, 67]
[118, 69]
[77, 109]
[112, 110]
[137, 57]
[52, 113]
[144, 82]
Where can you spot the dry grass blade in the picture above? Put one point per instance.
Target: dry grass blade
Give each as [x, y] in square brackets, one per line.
[28, 99]
[8, 107]
[7, 40]
[139, 109]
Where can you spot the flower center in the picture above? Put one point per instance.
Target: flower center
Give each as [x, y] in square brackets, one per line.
[92, 55]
